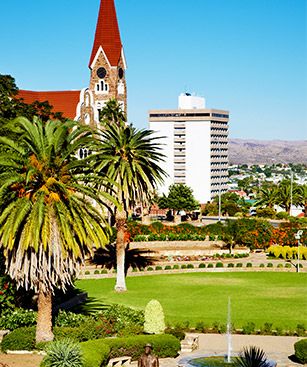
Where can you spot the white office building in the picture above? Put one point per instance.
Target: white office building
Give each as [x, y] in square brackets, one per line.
[195, 145]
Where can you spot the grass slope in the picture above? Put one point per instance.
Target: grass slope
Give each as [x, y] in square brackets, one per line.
[278, 298]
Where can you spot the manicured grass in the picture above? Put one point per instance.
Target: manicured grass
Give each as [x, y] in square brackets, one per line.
[278, 298]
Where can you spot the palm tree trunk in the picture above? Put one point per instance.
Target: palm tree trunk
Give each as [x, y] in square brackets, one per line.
[121, 221]
[44, 317]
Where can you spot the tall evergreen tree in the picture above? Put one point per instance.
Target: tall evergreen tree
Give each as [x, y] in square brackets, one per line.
[48, 222]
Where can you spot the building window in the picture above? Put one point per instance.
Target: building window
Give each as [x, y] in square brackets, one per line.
[102, 87]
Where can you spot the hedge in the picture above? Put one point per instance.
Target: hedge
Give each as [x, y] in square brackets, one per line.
[301, 350]
[19, 339]
[95, 353]
[163, 346]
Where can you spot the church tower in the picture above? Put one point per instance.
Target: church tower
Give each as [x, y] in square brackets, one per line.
[107, 66]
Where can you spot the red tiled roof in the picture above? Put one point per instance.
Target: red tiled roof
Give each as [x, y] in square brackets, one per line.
[62, 101]
[107, 33]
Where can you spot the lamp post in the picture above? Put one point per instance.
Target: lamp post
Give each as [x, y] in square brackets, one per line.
[298, 237]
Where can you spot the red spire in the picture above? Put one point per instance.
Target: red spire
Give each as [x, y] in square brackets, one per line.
[107, 33]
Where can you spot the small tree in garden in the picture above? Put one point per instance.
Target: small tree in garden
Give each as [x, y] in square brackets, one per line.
[180, 197]
[154, 318]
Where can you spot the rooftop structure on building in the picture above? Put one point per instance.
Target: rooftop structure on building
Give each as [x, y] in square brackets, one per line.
[107, 66]
[195, 145]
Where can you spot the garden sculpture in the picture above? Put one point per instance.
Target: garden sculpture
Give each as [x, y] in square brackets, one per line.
[147, 359]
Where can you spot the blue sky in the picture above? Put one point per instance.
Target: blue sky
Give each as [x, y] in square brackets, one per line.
[246, 56]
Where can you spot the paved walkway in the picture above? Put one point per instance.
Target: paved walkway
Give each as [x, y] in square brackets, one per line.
[277, 348]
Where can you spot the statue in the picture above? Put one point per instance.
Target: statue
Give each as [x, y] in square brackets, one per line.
[147, 359]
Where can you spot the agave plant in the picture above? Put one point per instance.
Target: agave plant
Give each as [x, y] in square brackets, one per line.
[63, 353]
[252, 357]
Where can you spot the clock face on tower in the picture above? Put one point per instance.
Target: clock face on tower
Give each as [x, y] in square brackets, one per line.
[120, 73]
[101, 73]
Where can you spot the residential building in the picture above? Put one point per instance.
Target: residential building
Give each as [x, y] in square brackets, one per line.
[195, 145]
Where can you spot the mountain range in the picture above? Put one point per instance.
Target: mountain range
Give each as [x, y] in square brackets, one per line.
[249, 151]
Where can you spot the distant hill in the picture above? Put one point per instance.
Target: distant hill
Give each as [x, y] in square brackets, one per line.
[245, 151]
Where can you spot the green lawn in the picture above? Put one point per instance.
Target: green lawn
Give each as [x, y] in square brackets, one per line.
[278, 298]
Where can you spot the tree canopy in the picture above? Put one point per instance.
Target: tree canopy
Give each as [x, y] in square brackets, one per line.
[180, 197]
[11, 106]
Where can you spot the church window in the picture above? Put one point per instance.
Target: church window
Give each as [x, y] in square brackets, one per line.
[102, 87]
[121, 88]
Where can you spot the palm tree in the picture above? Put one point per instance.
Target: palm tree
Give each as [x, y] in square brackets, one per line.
[301, 199]
[129, 158]
[267, 197]
[48, 222]
[287, 194]
[112, 113]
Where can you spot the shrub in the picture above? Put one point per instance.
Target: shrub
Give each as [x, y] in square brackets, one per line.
[71, 319]
[177, 332]
[300, 330]
[18, 318]
[163, 346]
[104, 271]
[201, 266]
[190, 266]
[220, 328]
[261, 266]
[269, 265]
[266, 329]
[183, 266]
[280, 265]
[287, 265]
[176, 267]
[230, 265]
[154, 318]
[282, 215]
[95, 353]
[96, 272]
[249, 328]
[210, 265]
[200, 326]
[158, 267]
[63, 353]
[249, 265]
[150, 268]
[301, 350]
[168, 267]
[19, 339]
[239, 265]
[219, 265]
[87, 272]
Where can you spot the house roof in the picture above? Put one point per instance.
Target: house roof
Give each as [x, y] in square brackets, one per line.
[62, 101]
[107, 33]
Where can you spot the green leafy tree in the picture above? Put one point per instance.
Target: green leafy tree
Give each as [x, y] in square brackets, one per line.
[11, 106]
[180, 197]
[48, 222]
[130, 158]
